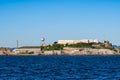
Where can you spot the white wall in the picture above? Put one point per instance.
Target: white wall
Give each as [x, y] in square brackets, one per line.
[76, 41]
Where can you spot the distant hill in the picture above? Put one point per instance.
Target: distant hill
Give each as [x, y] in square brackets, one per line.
[115, 46]
[12, 49]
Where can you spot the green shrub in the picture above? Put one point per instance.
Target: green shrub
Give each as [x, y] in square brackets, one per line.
[81, 45]
[30, 52]
[52, 47]
[26, 52]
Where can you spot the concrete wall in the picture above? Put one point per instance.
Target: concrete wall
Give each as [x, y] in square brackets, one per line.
[77, 41]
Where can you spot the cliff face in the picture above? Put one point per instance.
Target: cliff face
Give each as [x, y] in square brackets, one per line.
[66, 51]
[89, 52]
[4, 51]
[81, 51]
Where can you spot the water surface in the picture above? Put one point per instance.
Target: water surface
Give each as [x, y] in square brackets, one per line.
[59, 67]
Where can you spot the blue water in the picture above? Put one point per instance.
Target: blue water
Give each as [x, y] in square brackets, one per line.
[59, 67]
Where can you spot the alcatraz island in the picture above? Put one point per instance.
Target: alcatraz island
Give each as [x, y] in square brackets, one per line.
[65, 47]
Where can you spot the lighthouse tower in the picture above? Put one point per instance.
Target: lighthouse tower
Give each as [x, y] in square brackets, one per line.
[17, 44]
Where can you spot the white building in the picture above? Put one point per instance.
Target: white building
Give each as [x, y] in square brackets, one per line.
[77, 41]
[17, 51]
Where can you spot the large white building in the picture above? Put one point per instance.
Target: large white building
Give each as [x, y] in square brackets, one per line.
[24, 50]
[77, 41]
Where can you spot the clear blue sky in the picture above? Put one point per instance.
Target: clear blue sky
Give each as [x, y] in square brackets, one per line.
[29, 20]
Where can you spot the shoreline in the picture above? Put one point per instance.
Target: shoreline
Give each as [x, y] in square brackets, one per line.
[65, 52]
[64, 55]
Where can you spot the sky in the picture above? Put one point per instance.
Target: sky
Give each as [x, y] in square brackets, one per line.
[29, 20]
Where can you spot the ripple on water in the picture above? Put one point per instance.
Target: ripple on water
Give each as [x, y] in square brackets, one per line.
[59, 67]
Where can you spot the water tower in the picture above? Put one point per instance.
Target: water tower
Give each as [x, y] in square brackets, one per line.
[43, 41]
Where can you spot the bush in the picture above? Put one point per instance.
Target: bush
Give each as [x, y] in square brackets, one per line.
[81, 45]
[30, 52]
[52, 47]
[26, 52]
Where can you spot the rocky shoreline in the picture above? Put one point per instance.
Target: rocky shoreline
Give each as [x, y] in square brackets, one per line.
[65, 51]
[70, 51]
[81, 52]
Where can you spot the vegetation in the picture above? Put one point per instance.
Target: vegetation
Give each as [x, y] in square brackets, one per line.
[52, 47]
[80, 45]
[26, 52]
[30, 52]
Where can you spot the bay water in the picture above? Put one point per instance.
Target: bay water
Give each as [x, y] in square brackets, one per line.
[60, 67]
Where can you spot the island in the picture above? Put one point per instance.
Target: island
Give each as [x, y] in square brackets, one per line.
[66, 47]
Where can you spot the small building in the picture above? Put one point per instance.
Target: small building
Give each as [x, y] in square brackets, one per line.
[27, 50]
